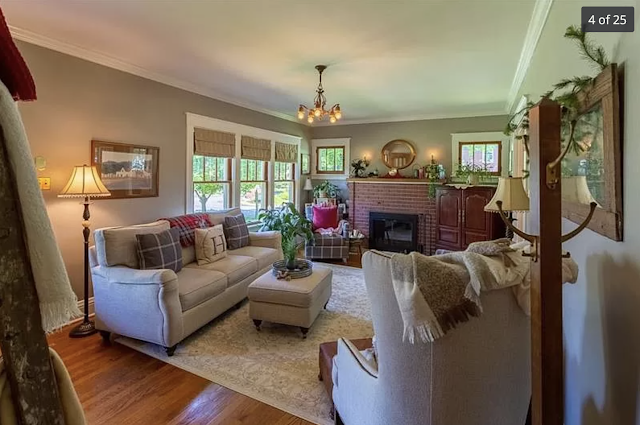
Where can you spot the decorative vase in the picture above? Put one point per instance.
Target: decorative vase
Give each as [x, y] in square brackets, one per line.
[473, 179]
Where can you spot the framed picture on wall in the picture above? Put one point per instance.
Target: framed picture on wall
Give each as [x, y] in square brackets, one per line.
[305, 164]
[128, 171]
[591, 171]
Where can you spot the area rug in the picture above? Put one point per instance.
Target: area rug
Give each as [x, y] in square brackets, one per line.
[275, 366]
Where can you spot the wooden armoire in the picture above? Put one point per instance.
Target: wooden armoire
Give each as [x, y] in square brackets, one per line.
[461, 219]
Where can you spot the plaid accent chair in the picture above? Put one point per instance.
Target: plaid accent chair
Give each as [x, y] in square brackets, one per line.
[328, 247]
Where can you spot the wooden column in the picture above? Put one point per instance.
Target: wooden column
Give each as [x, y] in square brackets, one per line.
[546, 273]
[22, 340]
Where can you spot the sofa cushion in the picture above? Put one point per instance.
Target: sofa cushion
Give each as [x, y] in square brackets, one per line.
[187, 224]
[188, 255]
[210, 245]
[265, 256]
[197, 286]
[236, 267]
[160, 250]
[328, 240]
[117, 246]
[217, 217]
[236, 231]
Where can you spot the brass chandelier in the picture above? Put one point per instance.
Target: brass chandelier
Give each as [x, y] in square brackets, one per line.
[319, 103]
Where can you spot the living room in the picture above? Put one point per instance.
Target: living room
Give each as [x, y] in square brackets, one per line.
[219, 99]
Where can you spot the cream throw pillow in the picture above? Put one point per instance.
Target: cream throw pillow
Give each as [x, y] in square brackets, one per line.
[210, 245]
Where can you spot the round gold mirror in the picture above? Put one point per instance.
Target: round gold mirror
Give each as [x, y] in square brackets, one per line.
[398, 154]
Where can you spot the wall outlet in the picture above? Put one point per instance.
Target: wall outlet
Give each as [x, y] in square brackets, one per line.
[45, 183]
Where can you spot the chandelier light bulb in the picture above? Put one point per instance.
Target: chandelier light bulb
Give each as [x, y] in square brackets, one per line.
[332, 119]
[338, 114]
[317, 112]
[310, 119]
[300, 115]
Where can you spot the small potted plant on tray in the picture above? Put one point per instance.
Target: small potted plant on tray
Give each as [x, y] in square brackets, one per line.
[294, 227]
[326, 189]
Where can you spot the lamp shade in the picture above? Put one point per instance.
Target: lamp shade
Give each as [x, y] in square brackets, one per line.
[84, 181]
[575, 189]
[512, 194]
[307, 185]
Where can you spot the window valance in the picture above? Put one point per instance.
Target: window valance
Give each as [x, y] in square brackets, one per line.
[253, 148]
[214, 143]
[286, 152]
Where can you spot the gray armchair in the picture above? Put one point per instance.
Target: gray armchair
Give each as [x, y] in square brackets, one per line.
[477, 374]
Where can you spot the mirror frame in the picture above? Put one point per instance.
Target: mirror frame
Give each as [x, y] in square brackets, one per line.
[398, 142]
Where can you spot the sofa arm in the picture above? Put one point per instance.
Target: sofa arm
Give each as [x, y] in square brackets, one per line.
[141, 304]
[270, 239]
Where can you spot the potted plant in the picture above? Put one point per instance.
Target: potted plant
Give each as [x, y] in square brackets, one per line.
[359, 166]
[326, 189]
[472, 172]
[294, 227]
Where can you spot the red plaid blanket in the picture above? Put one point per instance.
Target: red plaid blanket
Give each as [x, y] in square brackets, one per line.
[187, 224]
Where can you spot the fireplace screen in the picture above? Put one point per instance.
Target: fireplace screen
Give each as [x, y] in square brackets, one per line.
[393, 232]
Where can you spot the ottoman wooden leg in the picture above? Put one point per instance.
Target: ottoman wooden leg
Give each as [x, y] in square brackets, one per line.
[257, 323]
[305, 331]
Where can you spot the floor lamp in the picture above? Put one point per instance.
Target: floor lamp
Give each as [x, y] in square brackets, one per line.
[85, 183]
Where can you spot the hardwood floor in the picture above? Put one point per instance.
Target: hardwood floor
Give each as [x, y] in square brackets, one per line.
[118, 385]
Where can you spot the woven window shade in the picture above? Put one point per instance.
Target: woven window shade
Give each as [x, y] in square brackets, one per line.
[253, 148]
[286, 152]
[214, 143]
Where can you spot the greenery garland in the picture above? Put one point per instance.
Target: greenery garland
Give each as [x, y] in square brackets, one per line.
[568, 97]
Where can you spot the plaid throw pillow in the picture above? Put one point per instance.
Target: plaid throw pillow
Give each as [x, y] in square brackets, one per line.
[236, 231]
[187, 224]
[160, 250]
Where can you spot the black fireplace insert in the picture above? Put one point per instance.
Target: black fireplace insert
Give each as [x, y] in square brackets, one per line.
[393, 232]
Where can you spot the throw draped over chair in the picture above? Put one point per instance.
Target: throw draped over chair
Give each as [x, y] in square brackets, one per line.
[477, 374]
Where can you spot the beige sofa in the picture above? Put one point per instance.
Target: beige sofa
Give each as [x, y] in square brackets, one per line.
[164, 307]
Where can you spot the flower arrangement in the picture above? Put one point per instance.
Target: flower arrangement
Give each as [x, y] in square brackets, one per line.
[359, 166]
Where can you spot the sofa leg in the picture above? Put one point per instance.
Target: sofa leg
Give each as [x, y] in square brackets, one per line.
[326, 304]
[238, 305]
[305, 331]
[171, 350]
[106, 337]
[257, 323]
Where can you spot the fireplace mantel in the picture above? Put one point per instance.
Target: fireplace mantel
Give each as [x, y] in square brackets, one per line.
[381, 180]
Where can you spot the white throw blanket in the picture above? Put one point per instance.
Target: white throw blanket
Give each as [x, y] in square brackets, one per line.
[436, 293]
[58, 303]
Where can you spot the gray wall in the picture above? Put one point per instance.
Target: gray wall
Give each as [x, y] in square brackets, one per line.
[79, 101]
[427, 136]
[602, 311]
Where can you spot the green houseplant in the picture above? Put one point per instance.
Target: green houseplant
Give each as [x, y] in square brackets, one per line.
[294, 227]
[326, 189]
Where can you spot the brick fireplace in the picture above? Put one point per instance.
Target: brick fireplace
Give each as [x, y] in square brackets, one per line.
[396, 197]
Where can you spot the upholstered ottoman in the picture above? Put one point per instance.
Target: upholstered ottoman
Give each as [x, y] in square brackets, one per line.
[295, 302]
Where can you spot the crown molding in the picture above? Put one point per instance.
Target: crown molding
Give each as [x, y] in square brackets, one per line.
[409, 118]
[111, 62]
[541, 11]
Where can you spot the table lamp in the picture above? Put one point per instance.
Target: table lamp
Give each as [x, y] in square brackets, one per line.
[308, 186]
[84, 183]
[513, 196]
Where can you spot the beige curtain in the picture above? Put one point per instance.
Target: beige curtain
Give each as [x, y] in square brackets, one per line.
[214, 143]
[286, 152]
[253, 148]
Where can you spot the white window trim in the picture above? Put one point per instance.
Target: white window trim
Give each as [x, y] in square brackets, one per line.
[342, 142]
[201, 121]
[493, 136]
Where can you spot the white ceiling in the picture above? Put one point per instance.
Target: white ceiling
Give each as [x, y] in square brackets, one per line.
[388, 59]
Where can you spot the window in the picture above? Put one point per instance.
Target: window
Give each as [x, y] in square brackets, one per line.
[283, 183]
[253, 187]
[330, 160]
[481, 154]
[211, 183]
